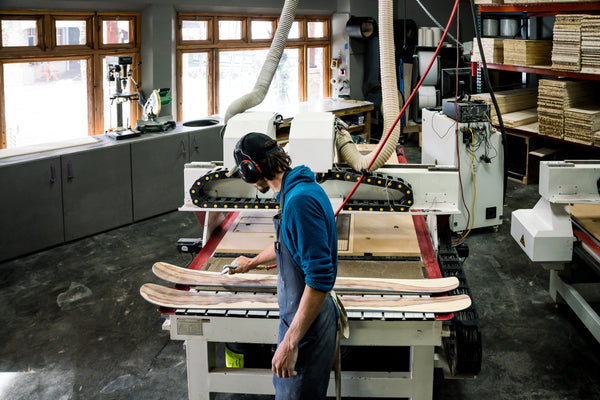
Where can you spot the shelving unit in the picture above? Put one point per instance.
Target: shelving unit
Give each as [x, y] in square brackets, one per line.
[525, 11]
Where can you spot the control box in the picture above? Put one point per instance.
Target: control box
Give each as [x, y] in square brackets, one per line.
[466, 110]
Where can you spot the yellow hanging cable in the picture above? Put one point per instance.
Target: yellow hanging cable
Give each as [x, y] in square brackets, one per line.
[474, 186]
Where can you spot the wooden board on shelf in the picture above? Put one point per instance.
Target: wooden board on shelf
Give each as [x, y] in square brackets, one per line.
[519, 118]
[510, 100]
[527, 52]
[581, 123]
[566, 43]
[590, 44]
[557, 95]
[534, 127]
[493, 50]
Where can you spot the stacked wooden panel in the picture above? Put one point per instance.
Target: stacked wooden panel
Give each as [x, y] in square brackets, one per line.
[566, 44]
[554, 97]
[492, 49]
[590, 44]
[489, 1]
[527, 52]
[510, 101]
[582, 123]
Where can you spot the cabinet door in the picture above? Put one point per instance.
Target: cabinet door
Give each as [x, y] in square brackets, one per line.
[96, 190]
[30, 207]
[206, 144]
[157, 174]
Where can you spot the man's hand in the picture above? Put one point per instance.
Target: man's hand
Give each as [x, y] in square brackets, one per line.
[284, 360]
[244, 264]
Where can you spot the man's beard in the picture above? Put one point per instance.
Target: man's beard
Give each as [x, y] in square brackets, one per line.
[262, 186]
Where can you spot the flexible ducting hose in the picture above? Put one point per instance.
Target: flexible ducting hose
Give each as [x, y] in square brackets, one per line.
[261, 87]
[391, 105]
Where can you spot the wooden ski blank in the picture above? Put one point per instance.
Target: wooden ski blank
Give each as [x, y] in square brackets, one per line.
[268, 283]
[175, 298]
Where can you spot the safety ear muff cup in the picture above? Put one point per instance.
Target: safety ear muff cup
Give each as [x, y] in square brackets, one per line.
[249, 148]
[249, 171]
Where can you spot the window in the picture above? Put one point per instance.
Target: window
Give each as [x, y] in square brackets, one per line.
[71, 32]
[195, 88]
[20, 32]
[237, 55]
[66, 69]
[262, 29]
[194, 30]
[230, 29]
[48, 88]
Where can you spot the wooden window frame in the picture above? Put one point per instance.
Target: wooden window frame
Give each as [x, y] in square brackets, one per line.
[231, 42]
[41, 42]
[134, 30]
[179, 81]
[89, 31]
[213, 47]
[209, 30]
[326, 28]
[273, 21]
[301, 30]
[94, 52]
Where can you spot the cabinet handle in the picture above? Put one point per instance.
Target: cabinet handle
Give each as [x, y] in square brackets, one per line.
[69, 171]
[52, 174]
[195, 142]
[183, 149]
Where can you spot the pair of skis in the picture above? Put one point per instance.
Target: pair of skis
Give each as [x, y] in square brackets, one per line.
[258, 292]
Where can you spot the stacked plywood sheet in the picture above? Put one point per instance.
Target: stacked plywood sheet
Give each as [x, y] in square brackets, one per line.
[581, 123]
[489, 1]
[510, 101]
[527, 52]
[519, 118]
[566, 44]
[554, 97]
[492, 49]
[590, 44]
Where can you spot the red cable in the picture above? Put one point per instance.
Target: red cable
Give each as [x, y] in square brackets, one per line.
[382, 143]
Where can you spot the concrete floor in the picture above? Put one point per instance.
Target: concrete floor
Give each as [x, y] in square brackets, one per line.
[75, 327]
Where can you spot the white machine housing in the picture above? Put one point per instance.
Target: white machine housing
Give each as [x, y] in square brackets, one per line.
[545, 233]
[439, 147]
[240, 125]
[311, 143]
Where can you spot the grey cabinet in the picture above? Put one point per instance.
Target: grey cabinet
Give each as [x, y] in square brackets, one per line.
[30, 207]
[96, 190]
[206, 144]
[157, 174]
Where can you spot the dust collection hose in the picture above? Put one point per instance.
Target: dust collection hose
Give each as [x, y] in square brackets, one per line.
[386, 143]
[391, 105]
[258, 93]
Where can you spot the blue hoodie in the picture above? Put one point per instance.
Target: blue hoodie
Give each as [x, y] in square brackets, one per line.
[308, 228]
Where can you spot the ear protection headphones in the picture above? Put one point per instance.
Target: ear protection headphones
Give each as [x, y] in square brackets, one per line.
[248, 168]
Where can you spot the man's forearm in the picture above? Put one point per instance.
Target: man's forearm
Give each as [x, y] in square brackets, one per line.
[310, 305]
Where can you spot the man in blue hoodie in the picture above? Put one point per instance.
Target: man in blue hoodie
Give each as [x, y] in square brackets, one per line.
[306, 254]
